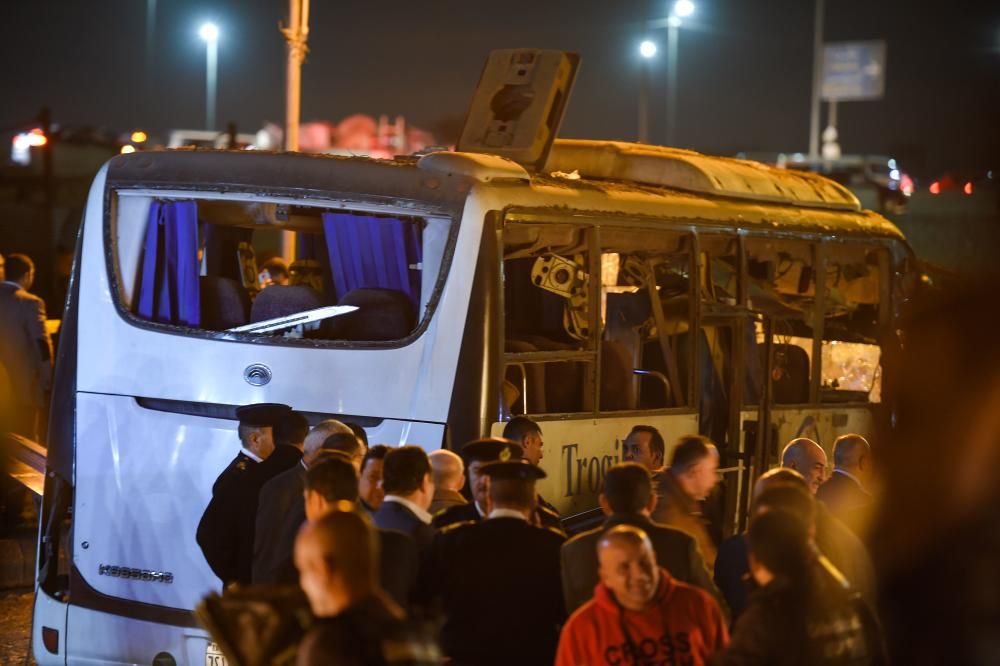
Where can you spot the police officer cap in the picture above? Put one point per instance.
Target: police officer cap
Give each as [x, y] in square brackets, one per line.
[513, 470]
[262, 414]
[491, 449]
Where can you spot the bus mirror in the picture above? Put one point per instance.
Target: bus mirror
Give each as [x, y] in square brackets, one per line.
[519, 104]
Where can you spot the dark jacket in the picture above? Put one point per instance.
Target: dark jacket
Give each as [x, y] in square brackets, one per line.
[395, 516]
[675, 509]
[445, 498]
[547, 517]
[676, 552]
[370, 633]
[815, 621]
[497, 583]
[833, 539]
[399, 565]
[280, 513]
[846, 500]
[226, 530]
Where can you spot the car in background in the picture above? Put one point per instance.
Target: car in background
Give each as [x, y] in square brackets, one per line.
[876, 180]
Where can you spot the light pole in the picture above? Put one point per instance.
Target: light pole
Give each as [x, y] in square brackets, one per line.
[647, 49]
[681, 10]
[210, 33]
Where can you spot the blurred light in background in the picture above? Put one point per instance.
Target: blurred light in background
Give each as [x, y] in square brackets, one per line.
[647, 49]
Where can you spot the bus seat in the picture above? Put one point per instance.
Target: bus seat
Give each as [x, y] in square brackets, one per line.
[278, 300]
[617, 387]
[791, 374]
[224, 303]
[382, 314]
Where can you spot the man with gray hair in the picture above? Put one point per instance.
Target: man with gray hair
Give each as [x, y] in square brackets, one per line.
[448, 471]
[845, 492]
[282, 511]
[808, 459]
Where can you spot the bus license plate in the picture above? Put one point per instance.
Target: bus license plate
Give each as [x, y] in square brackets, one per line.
[214, 656]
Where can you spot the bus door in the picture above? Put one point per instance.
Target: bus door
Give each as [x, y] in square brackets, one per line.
[596, 318]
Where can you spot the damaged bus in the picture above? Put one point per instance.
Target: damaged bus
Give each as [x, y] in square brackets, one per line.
[597, 286]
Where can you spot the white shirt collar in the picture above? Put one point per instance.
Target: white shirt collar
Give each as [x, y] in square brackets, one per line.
[849, 476]
[251, 455]
[419, 512]
[507, 513]
[479, 509]
[11, 282]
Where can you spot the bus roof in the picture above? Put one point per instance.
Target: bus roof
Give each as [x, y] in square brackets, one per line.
[599, 176]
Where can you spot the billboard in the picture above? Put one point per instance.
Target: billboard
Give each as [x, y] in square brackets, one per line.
[853, 71]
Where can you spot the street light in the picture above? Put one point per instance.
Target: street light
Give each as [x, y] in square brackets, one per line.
[210, 33]
[647, 49]
[683, 8]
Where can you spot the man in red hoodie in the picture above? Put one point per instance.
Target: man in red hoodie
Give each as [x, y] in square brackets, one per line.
[639, 614]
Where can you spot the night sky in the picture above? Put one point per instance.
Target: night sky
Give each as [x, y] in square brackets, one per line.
[744, 67]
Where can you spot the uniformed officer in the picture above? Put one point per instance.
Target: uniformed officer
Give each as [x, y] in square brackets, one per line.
[528, 434]
[476, 454]
[490, 574]
[226, 530]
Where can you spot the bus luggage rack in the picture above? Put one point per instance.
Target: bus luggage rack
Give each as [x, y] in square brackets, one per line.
[23, 460]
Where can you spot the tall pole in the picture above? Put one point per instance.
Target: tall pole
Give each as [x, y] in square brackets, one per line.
[644, 101]
[150, 55]
[211, 69]
[817, 81]
[296, 35]
[671, 81]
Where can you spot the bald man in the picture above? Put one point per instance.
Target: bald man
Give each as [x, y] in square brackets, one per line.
[845, 492]
[448, 472]
[356, 621]
[639, 607]
[808, 459]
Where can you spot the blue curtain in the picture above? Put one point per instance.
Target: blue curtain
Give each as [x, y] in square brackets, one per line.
[374, 252]
[168, 286]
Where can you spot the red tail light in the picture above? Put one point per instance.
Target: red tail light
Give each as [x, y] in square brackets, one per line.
[50, 639]
[935, 187]
[968, 188]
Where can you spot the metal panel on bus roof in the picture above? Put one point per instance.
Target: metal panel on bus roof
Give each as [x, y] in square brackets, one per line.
[694, 172]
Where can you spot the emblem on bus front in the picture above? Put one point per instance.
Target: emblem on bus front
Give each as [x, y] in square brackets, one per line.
[257, 374]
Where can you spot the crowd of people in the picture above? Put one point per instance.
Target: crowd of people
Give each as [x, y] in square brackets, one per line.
[399, 566]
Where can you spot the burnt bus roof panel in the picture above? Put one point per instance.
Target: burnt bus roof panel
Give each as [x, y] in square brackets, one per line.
[285, 174]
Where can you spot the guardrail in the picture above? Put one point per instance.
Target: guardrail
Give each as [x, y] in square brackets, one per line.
[25, 461]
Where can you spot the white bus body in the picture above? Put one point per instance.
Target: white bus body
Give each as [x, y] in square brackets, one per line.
[142, 414]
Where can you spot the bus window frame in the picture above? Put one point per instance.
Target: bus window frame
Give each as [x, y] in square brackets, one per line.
[591, 222]
[282, 196]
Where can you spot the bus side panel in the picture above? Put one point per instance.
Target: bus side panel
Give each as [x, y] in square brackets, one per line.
[822, 424]
[578, 453]
[48, 613]
[140, 493]
[100, 638]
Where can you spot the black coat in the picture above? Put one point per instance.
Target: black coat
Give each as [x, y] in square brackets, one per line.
[399, 565]
[226, 530]
[395, 516]
[676, 551]
[547, 515]
[814, 621]
[280, 513]
[497, 583]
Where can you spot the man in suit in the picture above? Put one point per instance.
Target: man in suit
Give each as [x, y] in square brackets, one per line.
[681, 488]
[330, 481]
[449, 479]
[628, 499]
[844, 493]
[645, 446]
[477, 454]
[281, 510]
[409, 489]
[226, 530]
[497, 580]
[528, 434]
[25, 349]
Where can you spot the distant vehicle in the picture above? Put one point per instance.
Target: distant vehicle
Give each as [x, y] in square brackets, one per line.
[208, 139]
[876, 180]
